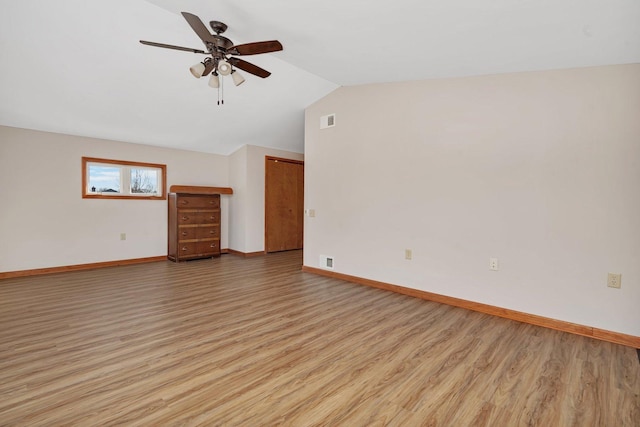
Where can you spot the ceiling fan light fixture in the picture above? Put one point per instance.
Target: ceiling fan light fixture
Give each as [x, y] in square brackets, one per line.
[197, 70]
[237, 78]
[214, 80]
[224, 68]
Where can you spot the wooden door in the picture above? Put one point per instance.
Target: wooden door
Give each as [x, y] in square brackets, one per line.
[284, 204]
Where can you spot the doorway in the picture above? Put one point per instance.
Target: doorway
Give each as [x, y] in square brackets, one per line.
[284, 204]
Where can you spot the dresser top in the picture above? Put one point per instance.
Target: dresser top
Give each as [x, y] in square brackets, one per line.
[196, 189]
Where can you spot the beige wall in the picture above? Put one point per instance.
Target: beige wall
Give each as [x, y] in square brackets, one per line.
[44, 222]
[541, 170]
[238, 203]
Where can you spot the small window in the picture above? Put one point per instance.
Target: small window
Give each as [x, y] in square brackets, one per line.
[117, 179]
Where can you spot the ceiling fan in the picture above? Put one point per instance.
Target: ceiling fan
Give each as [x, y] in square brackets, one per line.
[221, 52]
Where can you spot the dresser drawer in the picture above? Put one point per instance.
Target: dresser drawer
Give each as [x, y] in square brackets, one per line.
[211, 247]
[195, 202]
[198, 217]
[199, 232]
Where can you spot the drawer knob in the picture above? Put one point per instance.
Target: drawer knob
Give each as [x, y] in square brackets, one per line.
[184, 233]
[184, 248]
[184, 218]
[213, 245]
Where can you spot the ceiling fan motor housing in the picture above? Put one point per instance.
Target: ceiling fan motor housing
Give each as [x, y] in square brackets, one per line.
[219, 42]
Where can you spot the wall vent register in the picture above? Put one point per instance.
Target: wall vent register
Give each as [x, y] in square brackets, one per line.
[326, 261]
[327, 121]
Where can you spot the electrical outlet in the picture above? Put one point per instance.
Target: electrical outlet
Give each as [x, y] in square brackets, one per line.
[123, 236]
[493, 264]
[614, 280]
[407, 254]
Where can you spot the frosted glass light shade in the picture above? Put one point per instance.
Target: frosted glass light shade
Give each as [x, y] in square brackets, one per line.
[224, 68]
[214, 81]
[197, 70]
[237, 78]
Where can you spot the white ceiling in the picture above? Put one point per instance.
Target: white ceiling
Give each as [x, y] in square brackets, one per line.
[76, 67]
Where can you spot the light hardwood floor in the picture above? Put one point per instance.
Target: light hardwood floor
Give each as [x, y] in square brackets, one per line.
[255, 341]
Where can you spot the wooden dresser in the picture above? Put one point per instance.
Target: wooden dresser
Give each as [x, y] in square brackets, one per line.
[194, 226]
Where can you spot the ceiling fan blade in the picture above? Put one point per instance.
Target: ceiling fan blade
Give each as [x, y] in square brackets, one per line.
[198, 26]
[170, 46]
[249, 67]
[255, 48]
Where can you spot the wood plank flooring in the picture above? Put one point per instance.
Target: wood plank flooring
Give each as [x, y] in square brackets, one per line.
[257, 342]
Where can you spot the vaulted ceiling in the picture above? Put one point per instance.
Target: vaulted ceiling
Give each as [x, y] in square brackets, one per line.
[76, 66]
